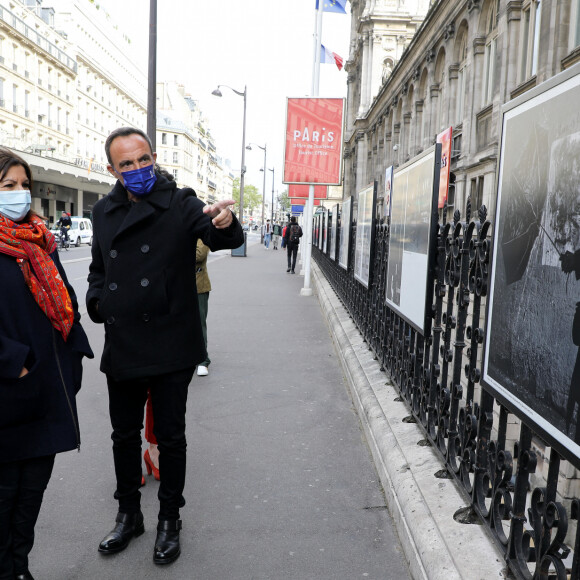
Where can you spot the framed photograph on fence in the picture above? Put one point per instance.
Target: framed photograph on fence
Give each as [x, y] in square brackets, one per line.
[334, 231]
[388, 189]
[325, 231]
[315, 228]
[345, 223]
[365, 234]
[413, 231]
[531, 358]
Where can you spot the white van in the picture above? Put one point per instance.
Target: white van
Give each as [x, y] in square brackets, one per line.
[81, 231]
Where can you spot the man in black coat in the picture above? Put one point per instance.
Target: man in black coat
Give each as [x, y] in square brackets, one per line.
[142, 287]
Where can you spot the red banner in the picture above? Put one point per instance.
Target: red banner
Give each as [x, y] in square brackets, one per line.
[313, 145]
[302, 201]
[445, 140]
[295, 190]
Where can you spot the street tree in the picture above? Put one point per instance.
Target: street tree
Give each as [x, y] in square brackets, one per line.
[252, 199]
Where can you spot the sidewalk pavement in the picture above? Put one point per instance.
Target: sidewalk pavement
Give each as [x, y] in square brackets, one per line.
[422, 505]
[280, 481]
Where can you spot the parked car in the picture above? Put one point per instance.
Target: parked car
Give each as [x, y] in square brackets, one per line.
[81, 231]
[246, 227]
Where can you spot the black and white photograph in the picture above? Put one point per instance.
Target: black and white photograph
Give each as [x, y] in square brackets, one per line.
[325, 231]
[532, 355]
[411, 232]
[365, 227]
[388, 189]
[345, 222]
[334, 230]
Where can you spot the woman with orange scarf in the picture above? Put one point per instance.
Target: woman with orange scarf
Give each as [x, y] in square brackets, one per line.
[41, 348]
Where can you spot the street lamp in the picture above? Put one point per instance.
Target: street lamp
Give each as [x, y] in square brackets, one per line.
[249, 147]
[272, 208]
[218, 93]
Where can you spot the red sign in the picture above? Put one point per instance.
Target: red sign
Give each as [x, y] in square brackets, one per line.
[295, 190]
[313, 145]
[302, 201]
[445, 140]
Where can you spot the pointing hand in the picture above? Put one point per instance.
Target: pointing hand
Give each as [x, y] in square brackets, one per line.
[221, 213]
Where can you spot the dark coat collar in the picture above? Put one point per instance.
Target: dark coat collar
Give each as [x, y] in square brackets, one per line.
[159, 197]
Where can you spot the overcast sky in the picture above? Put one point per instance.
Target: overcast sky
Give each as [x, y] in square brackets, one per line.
[264, 44]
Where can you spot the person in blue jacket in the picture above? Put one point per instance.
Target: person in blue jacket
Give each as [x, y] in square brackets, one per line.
[41, 348]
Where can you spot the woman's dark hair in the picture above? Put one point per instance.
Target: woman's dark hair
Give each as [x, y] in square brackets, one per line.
[9, 159]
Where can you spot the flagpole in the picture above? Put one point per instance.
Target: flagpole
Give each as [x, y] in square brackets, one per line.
[309, 213]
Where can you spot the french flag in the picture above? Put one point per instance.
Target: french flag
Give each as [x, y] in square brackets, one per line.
[329, 57]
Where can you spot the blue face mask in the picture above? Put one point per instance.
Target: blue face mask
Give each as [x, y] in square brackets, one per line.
[15, 204]
[140, 181]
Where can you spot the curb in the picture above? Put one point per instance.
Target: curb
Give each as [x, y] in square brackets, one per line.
[436, 547]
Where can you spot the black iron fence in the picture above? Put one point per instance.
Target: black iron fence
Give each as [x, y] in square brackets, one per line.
[522, 489]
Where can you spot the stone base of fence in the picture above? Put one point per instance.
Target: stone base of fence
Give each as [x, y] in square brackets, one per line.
[422, 501]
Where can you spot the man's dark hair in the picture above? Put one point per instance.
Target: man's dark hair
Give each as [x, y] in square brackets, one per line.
[293, 219]
[124, 132]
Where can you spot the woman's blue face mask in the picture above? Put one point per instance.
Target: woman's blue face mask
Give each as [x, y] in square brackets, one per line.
[140, 181]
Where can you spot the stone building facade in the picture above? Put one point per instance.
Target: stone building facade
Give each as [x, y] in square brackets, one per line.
[465, 60]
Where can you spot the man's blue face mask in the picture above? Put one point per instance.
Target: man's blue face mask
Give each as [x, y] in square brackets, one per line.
[140, 181]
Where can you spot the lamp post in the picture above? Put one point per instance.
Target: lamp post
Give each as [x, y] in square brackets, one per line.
[272, 207]
[249, 147]
[218, 93]
[152, 75]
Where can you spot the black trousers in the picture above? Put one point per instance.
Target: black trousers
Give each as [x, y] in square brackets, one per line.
[126, 407]
[22, 485]
[292, 252]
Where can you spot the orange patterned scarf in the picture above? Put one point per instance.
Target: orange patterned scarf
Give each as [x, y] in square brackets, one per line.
[31, 243]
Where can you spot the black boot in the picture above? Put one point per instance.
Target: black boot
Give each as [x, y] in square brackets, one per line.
[167, 547]
[26, 576]
[127, 527]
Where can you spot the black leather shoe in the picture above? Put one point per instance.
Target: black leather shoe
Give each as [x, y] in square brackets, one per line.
[167, 547]
[288, 270]
[26, 576]
[127, 527]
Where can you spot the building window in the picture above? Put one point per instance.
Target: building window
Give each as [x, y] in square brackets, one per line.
[163, 138]
[529, 39]
[476, 194]
[175, 173]
[490, 50]
[165, 156]
[175, 140]
[175, 157]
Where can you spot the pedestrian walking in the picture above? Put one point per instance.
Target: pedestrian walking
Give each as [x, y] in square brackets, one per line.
[276, 233]
[42, 345]
[267, 234]
[203, 290]
[141, 287]
[292, 241]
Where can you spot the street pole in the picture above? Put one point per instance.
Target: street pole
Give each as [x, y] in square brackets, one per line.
[272, 208]
[152, 76]
[309, 209]
[218, 93]
[263, 195]
[243, 169]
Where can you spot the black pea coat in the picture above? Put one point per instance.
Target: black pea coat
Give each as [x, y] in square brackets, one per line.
[38, 414]
[142, 279]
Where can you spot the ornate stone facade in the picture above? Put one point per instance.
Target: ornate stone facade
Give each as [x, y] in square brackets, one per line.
[454, 63]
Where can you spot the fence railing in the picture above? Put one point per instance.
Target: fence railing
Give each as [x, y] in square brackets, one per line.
[522, 489]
